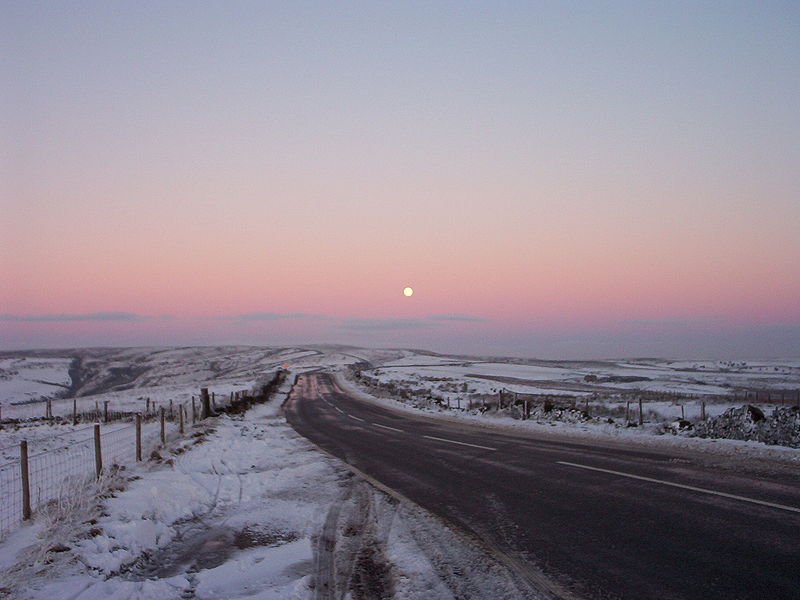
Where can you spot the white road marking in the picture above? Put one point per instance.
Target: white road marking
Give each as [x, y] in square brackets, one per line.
[387, 427]
[355, 417]
[686, 487]
[430, 437]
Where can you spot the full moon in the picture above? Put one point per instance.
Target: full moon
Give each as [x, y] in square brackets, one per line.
[407, 291]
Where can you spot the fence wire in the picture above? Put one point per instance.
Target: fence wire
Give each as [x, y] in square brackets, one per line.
[51, 472]
[54, 472]
[11, 490]
[48, 471]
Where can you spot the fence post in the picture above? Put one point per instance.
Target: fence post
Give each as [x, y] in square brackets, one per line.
[171, 414]
[138, 437]
[180, 417]
[74, 411]
[163, 427]
[214, 401]
[205, 408]
[26, 482]
[703, 410]
[147, 406]
[105, 411]
[627, 412]
[49, 409]
[641, 416]
[683, 414]
[194, 412]
[98, 452]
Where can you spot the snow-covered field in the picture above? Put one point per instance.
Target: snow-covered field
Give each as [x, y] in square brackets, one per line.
[598, 377]
[670, 390]
[25, 379]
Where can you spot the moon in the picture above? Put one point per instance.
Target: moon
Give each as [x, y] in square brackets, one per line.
[407, 291]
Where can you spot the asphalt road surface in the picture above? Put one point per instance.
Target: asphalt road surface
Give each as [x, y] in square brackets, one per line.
[595, 519]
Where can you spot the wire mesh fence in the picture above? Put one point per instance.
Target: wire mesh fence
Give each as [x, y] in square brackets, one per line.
[62, 459]
[73, 457]
[11, 489]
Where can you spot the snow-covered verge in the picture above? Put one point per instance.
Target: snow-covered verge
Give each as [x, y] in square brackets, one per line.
[243, 508]
[228, 512]
[652, 435]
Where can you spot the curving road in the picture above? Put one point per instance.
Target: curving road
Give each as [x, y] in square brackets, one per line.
[582, 520]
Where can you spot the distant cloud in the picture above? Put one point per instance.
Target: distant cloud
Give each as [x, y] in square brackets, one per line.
[384, 324]
[457, 317]
[272, 316]
[96, 316]
[676, 322]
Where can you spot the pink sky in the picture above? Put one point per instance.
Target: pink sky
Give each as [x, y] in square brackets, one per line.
[538, 193]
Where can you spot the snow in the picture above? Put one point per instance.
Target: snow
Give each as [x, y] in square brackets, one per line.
[236, 508]
[247, 475]
[26, 379]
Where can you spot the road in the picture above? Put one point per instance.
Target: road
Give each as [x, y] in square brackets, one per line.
[596, 520]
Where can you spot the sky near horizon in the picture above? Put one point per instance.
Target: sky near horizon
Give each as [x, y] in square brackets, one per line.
[561, 180]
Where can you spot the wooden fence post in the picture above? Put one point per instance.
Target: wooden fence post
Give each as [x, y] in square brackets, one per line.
[205, 406]
[214, 401]
[147, 406]
[683, 414]
[74, 411]
[194, 412]
[138, 437]
[627, 411]
[105, 411]
[641, 415]
[171, 413]
[180, 417]
[26, 482]
[163, 427]
[703, 410]
[98, 452]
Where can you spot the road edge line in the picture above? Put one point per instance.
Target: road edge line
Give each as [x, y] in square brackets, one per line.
[683, 486]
